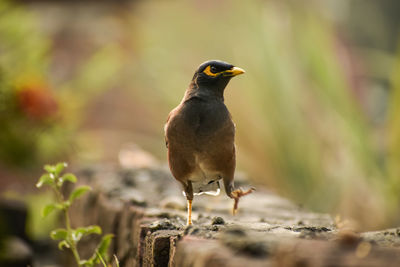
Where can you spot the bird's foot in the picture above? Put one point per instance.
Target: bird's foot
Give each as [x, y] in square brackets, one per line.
[236, 195]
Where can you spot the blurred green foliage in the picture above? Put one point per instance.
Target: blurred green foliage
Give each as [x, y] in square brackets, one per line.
[39, 227]
[392, 141]
[39, 117]
[22, 58]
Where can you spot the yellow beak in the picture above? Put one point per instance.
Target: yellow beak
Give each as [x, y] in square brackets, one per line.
[234, 71]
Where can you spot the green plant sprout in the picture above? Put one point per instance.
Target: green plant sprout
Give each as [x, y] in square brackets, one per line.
[69, 237]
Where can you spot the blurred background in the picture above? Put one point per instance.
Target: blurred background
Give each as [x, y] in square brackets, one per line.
[317, 112]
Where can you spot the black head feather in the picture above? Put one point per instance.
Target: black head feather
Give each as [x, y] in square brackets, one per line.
[212, 77]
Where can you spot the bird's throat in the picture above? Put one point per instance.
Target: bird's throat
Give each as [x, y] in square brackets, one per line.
[204, 92]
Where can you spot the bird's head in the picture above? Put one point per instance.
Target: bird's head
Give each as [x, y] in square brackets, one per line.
[213, 76]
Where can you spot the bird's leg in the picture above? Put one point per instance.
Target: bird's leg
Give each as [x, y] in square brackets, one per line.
[189, 196]
[189, 211]
[236, 195]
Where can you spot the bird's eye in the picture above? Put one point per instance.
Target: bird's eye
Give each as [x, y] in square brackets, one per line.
[213, 69]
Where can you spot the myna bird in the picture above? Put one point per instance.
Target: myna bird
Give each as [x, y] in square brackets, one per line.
[200, 135]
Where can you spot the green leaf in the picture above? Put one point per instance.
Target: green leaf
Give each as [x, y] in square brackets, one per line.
[58, 234]
[105, 243]
[45, 179]
[68, 177]
[63, 244]
[49, 208]
[101, 259]
[92, 229]
[102, 248]
[82, 231]
[79, 191]
[50, 168]
[59, 168]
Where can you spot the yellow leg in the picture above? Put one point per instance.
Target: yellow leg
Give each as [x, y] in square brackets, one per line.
[235, 206]
[189, 216]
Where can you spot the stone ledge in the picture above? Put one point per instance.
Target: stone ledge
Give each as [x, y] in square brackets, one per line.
[145, 210]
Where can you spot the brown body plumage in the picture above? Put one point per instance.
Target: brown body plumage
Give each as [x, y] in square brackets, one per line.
[200, 133]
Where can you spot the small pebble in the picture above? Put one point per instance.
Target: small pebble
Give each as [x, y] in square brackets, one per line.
[214, 228]
[217, 220]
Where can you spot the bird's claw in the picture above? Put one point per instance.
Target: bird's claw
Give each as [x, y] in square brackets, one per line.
[237, 194]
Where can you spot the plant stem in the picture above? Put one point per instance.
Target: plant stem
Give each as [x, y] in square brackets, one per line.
[70, 240]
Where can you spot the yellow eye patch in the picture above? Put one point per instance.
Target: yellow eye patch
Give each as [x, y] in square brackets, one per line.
[209, 73]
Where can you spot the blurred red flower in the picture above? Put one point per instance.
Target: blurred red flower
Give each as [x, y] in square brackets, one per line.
[37, 102]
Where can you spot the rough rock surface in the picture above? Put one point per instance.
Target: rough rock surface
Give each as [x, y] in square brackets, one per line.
[145, 209]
